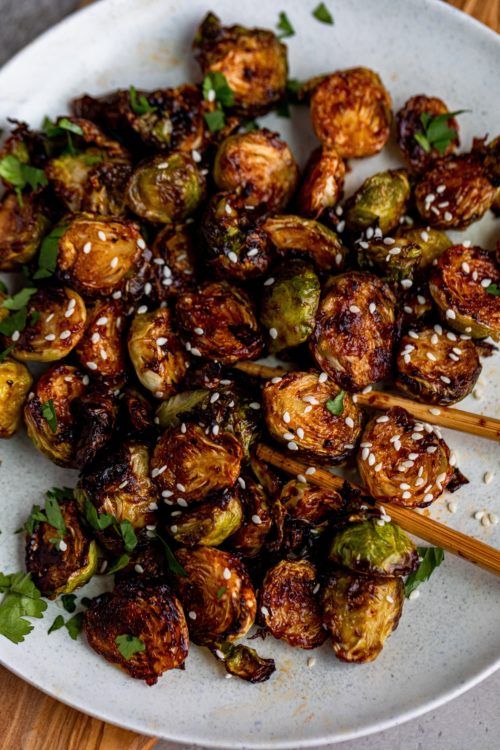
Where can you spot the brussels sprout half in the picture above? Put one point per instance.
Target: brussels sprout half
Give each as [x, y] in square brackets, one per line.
[459, 286]
[101, 349]
[249, 539]
[431, 242]
[244, 662]
[59, 564]
[174, 260]
[360, 612]
[147, 616]
[351, 110]
[398, 263]
[327, 431]
[307, 502]
[436, 366]
[304, 238]
[208, 524]
[216, 594]
[15, 382]
[322, 182]
[409, 124]
[406, 463]
[21, 230]
[380, 201]
[356, 330]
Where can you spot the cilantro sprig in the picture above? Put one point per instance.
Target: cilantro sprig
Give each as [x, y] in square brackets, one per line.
[336, 405]
[49, 414]
[494, 290]
[51, 514]
[20, 175]
[322, 14]
[431, 558]
[216, 89]
[173, 565]
[284, 26]
[47, 258]
[436, 133]
[21, 599]
[74, 625]
[17, 304]
[139, 104]
[63, 127]
[129, 645]
[102, 521]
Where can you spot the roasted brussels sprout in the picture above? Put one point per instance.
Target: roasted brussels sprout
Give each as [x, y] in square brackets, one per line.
[380, 201]
[166, 189]
[15, 382]
[409, 124]
[244, 662]
[101, 350]
[360, 612]
[60, 560]
[48, 415]
[69, 176]
[418, 306]
[256, 523]
[253, 61]
[351, 110]
[307, 239]
[289, 305]
[436, 366]
[96, 415]
[403, 461]
[289, 606]
[174, 260]
[374, 549]
[56, 322]
[156, 353]
[21, 230]
[237, 246]
[431, 242]
[173, 411]
[459, 284]
[307, 502]
[218, 322]
[216, 594]
[327, 431]
[261, 165]
[454, 192]
[118, 483]
[188, 464]
[398, 263]
[100, 256]
[355, 330]
[106, 185]
[137, 412]
[140, 627]
[208, 524]
[322, 183]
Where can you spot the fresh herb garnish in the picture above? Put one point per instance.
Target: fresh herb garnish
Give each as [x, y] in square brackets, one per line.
[431, 558]
[61, 127]
[18, 317]
[120, 563]
[49, 414]
[6, 352]
[47, 259]
[291, 96]
[128, 645]
[174, 566]
[250, 125]
[57, 624]
[215, 120]
[18, 174]
[220, 592]
[19, 300]
[69, 602]
[74, 625]
[51, 515]
[436, 132]
[139, 103]
[494, 290]
[3, 287]
[128, 535]
[336, 405]
[97, 521]
[22, 599]
[216, 89]
[321, 13]
[284, 26]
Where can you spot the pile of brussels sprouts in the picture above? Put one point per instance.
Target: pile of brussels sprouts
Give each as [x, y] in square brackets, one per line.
[164, 237]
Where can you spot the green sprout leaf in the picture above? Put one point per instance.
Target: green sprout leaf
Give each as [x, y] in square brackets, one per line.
[336, 405]
[22, 599]
[284, 26]
[128, 645]
[321, 13]
[19, 175]
[47, 259]
[494, 290]
[174, 566]
[431, 558]
[118, 564]
[139, 103]
[49, 414]
[436, 132]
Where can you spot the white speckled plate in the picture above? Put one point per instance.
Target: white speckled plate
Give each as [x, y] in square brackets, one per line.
[449, 639]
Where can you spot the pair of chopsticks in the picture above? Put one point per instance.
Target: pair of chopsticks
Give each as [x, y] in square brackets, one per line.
[425, 528]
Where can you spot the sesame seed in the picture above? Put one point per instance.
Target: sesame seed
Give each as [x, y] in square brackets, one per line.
[349, 421]
[195, 352]
[167, 493]
[273, 333]
[161, 341]
[448, 216]
[474, 276]
[301, 478]
[288, 436]
[371, 459]
[435, 411]
[95, 338]
[425, 236]
[406, 283]
[404, 486]
[300, 433]
[365, 445]
[292, 446]
[104, 355]
[485, 283]
[277, 379]
[378, 467]
[311, 661]
[232, 256]
[445, 379]
[413, 456]
[214, 397]
[485, 521]
[478, 514]
[91, 365]
[389, 241]
[101, 235]
[383, 418]
[414, 595]
[215, 429]
[265, 611]
[142, 309]
[406, 495]
[354, 309]
[253, 252]
[413, 334]
[323, 377]
[457, 350]
[50, 337]
[65, 334]
[428, 498]
[431, 449]
[62, 545]
[431, 356]
[256, 519]
[269, 281]
[286, 417]
[199, 331]
[372, 307]
[192, 615]
[179, 486]
[394, 251]
[141, 244]
[242, 483]
[407, 359]
[488, 477]
[450, 314]
[419, 482]
[493, 519]
[307, 409]
[407, 464]
[254, 405]
[338, 257]
[365, 453]
[227, 574]
[114, 262]
[311, 470]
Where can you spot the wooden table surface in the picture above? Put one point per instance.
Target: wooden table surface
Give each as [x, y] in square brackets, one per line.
[38, 722]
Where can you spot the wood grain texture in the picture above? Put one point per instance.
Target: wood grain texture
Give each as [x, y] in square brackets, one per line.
[37, 722]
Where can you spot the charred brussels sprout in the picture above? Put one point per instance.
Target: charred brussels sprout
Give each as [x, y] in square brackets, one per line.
[21, 230]
[436, 366]
[459, 284]
[454, 192]
[322, 183]
[398, 263]
[380, 201]
[216, 594]
[289, 305]
[189, 464]
[253, 61]
[166, 189]
[374, 549]
[306, 502]
[360, 612]
[48, 414]
[174, 260]
[261, 165]
[100, 256]
[431, 242]
[355, 330]
[218, 322]
[101, 350]
[244, 662]
[256, 522]
[289, 606]
[156, 353]
[105, 192]
[327, 431]
[96, 415]
[118, 484]
[409, 124]
[173, 411]
[237, 246]
[56, 323]
[208, 524]
[149, 619]
[351, 110]
[60, 562]
[15, 382]
[406, 462]
[307, 239]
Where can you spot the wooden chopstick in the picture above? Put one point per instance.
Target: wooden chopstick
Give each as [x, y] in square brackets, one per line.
[443, 416]
[414, 523]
